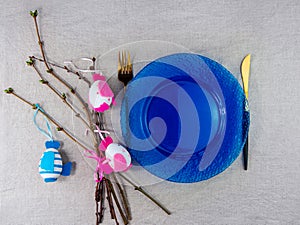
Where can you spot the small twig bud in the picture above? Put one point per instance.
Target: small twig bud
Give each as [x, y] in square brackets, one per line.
[34, 13]
[59, 129]
[34, 106]
[67, 69]
[63, 95]
[43, 81]
[50, 70]
[30, 62]
[72, 91]
[9, 90]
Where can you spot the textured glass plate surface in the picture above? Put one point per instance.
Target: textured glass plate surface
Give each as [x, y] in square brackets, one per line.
[142, 53]
[183, 118]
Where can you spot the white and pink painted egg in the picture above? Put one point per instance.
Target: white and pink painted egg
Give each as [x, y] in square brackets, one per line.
[100, 94]
[118, 157]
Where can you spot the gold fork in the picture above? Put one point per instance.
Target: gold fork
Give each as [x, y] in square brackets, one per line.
[125, 73]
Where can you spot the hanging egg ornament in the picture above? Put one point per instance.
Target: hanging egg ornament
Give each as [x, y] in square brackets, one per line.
[118, 157]
[100, 94]
[51, 166]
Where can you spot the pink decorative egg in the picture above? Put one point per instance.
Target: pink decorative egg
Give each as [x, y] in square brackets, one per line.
[100, 94]
[119, 158]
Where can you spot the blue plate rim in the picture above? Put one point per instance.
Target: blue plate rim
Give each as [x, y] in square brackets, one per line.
[245, 120]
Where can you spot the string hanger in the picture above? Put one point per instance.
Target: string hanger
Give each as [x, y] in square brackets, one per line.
[91, 69]
[100, 132]
[47, 133]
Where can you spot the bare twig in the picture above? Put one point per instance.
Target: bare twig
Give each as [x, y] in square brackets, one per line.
[56, 123]
[65, 83]
[123, 196]
[69, 70]
[110, 201]
[99, 198]
[140, 189]
[91, 119]
[62, 96]
[110, 186]
[102, 193]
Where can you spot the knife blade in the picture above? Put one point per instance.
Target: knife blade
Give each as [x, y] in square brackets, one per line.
[245, 73]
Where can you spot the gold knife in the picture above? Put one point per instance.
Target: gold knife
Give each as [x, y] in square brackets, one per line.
[245, 71]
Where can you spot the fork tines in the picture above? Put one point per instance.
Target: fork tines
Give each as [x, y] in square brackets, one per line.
[125, 73]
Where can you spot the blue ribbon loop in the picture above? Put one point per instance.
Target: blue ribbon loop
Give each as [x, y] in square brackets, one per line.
[47, 133]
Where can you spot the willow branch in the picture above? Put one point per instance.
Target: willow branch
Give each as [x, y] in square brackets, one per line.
[102, 193]
[39, 40]
[125, 221]
[99, 199]
[140, 189]
[65, 83]
[48, 116]
[68, 70]
[62, 96]
[110, 201]
[123, 196]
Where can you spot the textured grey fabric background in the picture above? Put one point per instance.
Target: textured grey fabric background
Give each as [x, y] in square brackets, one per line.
[268, 193]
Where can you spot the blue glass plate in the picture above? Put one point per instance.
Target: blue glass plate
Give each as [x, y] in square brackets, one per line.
[183, 118]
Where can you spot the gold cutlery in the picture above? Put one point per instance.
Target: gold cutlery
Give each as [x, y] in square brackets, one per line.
[125, 73]
[245, 72]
